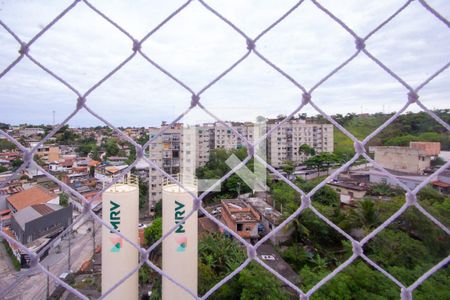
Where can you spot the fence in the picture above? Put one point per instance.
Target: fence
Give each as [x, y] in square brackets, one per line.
[81, 101]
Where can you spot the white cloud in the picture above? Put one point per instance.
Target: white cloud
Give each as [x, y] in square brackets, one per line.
[196, 46]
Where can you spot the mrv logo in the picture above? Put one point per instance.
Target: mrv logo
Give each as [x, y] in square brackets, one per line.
[180, 238]
[114, 220]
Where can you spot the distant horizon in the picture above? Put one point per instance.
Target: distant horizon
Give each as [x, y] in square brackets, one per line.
[99, 124]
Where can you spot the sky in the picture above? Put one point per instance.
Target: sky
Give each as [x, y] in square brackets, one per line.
[196, 46]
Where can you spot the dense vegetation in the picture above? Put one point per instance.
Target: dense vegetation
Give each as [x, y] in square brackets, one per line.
[407, 248]
[220, 255]
[407, 127]
[216, 168]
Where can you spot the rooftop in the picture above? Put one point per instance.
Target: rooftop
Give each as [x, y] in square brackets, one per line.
[34, 195]
[240, 211]
[33, 212]
[348, 185]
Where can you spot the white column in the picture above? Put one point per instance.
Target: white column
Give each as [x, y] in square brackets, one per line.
[120, 204]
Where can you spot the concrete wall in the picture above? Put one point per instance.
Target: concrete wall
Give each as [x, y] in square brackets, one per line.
[402, 159]
[353, 194]
[429, 148]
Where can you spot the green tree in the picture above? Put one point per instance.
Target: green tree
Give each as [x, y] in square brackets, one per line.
[143, 194]
[257, 283]
[307, 150]
[322, 161]
[64, 200]
[6, 145]
[355, 282]
[216, 168]
[154, 232]
[111, 147]
[16, 163]
[288, 167]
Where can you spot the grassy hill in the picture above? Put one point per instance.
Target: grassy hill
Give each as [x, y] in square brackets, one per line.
[407, 127]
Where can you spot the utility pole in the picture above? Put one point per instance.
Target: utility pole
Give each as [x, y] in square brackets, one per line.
[93, 241]
[68, 257]
[48, 283]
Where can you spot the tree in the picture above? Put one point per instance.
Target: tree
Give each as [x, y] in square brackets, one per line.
[384, 189]
[154, 232]
[132, 157]
[64, 200]
[305, 149]
[6, 145]
[321, 160]
[16, 163]
[95, 155]
[3, 169]
[364, 216]
[142, 139]
[257, 283]
[216, 167]
[288, 167]
[111, 147]
[355, 282]
[143, 194]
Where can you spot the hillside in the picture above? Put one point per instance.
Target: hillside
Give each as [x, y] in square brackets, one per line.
[407, 127]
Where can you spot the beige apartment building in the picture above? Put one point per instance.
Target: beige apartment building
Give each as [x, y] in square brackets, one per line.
[47, 153]
[165, 152]
[175, 146]
[283, 144]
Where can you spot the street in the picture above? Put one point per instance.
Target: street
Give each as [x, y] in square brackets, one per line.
[32, 283]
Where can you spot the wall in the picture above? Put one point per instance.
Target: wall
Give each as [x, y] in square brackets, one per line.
[402, 159]
[429, 148]
[37, 227]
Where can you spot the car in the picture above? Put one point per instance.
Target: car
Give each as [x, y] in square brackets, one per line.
[216, 211]
[267, 257]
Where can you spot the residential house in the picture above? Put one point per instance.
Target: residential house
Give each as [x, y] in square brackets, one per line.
[31, 196]
[240, 217]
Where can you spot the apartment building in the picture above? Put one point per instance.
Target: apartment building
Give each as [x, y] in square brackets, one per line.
[284, 142]
[205, 139]
[174, 151]
[226, 138]
[48, 153]
[165, 152]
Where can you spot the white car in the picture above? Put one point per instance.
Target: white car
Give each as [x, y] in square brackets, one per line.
[216, 211]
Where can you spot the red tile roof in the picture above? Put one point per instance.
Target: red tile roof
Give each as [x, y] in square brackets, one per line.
[34, 195]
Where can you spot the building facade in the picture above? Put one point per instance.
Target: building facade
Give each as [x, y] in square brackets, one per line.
[241, 217]
[168, 153]
[402, 159]
[40, 220]
[285, 141]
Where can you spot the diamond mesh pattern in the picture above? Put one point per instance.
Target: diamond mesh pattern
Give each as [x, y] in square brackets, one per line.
[81, 102]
